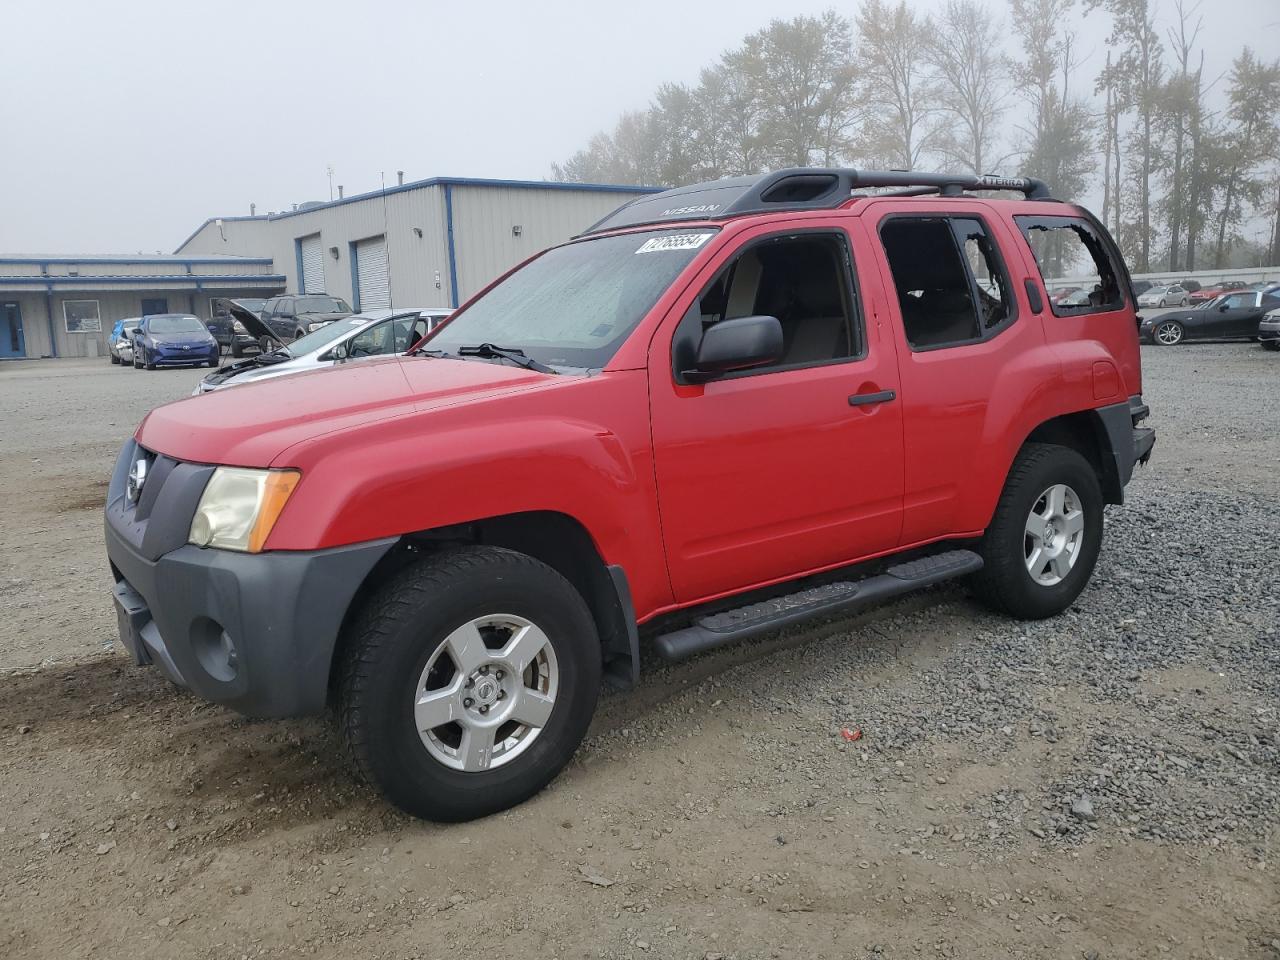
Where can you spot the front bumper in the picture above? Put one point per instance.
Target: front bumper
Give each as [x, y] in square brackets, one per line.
[1269, 330]
[255, 632]
[176, 356]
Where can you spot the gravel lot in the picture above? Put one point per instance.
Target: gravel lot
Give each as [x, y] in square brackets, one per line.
[1105, 784]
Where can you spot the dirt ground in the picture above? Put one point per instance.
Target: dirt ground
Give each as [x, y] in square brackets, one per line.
[718, 811]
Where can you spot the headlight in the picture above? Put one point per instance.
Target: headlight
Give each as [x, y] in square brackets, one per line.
[239, 507]
[313, 327]
[238, 327]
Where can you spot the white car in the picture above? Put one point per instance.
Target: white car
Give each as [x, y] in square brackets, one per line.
[121, 350]
[1170, 296]
[376, 333]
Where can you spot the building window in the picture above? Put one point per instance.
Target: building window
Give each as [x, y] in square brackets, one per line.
[81, 316]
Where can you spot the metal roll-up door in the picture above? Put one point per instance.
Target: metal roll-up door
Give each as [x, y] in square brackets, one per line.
[371, 273]
[312, 256]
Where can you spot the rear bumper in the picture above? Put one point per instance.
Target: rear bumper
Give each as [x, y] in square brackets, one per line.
[1128, 443]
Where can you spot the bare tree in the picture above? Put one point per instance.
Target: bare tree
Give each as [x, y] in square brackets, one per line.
[971, 84]
[803, 74]
[1179, 118]
[1255, 90]
[896, 87]
[1057, 140]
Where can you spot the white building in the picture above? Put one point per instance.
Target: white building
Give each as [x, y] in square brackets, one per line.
[60, 306]
[425, 243]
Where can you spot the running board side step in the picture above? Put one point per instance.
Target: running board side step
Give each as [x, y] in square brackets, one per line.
[754, 619]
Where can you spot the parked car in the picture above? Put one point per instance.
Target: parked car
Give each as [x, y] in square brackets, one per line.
[173, 340]
[293, 316]
[689, 417]
[1062, 293]
[377, 333]
[119, 339]
[1212, 292]
[1169, 295]
[1233, 316]
[222, 325]
[1269, 328]
[1141, 286]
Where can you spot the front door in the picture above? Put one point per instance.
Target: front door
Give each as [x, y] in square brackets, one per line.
[154, 305]
[771, 473]
[12, 343]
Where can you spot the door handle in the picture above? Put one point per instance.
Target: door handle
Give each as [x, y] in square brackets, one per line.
[867, 399]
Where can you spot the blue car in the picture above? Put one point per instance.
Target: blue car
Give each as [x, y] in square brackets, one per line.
[121, 340]
[173, 340]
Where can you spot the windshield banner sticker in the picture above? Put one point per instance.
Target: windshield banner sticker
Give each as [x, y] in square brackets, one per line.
[675, 241]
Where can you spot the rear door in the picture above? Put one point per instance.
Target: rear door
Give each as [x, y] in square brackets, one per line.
[778, 471]
[964, 343]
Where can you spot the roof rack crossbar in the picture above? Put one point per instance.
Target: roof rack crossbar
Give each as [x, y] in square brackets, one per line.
[800, 188]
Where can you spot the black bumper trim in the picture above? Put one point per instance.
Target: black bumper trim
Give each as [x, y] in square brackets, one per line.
[282, 611]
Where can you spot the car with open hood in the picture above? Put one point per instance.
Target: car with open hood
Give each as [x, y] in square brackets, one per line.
[292, 316]
[377, 333]
[720, 411]
[1232, 316]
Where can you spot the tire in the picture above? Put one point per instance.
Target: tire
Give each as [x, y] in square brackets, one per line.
[1185, 302]
[213, 363]
[237, 351]
[408, 626]
[114, 359]
[1168, 333]
[1006, 582]
[137, 365]
[1271, 344]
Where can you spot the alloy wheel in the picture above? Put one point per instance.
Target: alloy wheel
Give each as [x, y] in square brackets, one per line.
[486, 693]
[1169, 333]
[1054, 535]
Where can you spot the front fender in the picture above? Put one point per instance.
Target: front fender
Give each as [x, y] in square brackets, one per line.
[511, 455]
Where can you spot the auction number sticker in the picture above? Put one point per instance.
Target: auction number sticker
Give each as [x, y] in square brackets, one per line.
[674, 241]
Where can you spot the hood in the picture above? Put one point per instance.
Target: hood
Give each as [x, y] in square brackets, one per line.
[202, 337]
[252, 323]
[321, 317]
[253, 425]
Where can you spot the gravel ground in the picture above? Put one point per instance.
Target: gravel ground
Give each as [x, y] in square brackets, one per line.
[927, 780]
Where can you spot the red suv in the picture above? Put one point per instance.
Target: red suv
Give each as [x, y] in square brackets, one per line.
[722, 409]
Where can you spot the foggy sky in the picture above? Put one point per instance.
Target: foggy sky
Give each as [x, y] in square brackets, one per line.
[124, 125]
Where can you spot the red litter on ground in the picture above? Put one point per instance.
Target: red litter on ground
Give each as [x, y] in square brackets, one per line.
[851, 735]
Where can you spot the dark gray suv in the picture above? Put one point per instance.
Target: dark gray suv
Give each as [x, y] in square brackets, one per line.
[295, 315]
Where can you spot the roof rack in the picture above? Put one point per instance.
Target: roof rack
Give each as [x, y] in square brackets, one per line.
[799, 188]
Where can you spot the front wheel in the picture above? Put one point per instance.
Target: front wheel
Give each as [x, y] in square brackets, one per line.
[114, 358]
[1271, 344]
[1169, 333]
[1044, 539]
[468, 682]
[1184, 302]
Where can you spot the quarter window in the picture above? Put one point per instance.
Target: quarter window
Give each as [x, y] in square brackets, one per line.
[952, 287]
[1071, 254]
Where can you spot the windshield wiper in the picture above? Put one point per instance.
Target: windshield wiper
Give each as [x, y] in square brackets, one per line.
[513, 354]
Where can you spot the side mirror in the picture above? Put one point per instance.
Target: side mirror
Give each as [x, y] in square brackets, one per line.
[737, 344]
[1224, 307]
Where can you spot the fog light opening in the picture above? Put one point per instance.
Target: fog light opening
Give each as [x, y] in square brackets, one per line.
[215, 649]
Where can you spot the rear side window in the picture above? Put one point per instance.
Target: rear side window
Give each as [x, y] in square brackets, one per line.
[951, 284]
[1071, 254]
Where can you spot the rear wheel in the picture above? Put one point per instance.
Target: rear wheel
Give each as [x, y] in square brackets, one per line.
[468, 682]
[1044, 539]
[1169, 333]
[1184, 302]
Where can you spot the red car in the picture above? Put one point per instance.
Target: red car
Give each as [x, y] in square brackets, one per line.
[1205, 294]
[723, 409]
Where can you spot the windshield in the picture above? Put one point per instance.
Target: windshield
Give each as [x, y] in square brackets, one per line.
[575, 305]
[175, 324]
[324, 336]
[130, 325]
[321, 305]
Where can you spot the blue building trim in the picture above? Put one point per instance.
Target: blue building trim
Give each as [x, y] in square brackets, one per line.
[202, 281]
[453, 257]
[353, 256]
[48, 311]
[176, 261]
[448, 182]
[297, 256]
